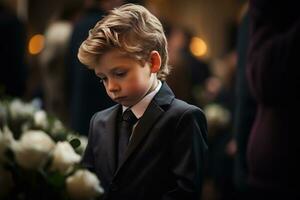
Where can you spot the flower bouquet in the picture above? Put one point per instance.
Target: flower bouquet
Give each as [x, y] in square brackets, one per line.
[40, 158]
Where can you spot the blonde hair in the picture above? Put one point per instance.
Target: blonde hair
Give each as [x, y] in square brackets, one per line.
[133, 30]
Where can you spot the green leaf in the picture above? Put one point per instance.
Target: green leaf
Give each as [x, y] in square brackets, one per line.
[75, 143]
[56, 179]
[60, 136]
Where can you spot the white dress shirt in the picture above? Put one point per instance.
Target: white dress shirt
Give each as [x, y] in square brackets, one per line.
[140, 108]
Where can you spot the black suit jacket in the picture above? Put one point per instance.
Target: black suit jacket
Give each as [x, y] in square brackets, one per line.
[164, 159]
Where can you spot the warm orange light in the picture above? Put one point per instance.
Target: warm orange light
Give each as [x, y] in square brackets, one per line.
[198, 47]
[36, 44]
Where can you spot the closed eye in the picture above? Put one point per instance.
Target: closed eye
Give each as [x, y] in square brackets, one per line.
[120, 73]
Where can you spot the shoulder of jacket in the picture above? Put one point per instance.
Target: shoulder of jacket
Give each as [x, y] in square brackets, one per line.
[184, 106]
[104, 113]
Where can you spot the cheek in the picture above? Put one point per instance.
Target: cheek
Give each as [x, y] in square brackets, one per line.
[134, 86]
[137, 86]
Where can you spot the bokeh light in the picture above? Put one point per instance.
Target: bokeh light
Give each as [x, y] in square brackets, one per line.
[36, 44]
[198, 47]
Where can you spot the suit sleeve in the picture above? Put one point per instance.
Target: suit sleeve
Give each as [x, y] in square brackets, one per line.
[189, 149]
[88, 156]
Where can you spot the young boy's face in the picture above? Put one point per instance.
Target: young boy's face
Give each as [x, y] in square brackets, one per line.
[125, 79]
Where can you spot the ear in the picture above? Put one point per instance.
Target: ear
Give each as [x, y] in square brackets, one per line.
[155, 61]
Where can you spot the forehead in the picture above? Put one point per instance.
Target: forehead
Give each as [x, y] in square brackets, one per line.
[114, 59]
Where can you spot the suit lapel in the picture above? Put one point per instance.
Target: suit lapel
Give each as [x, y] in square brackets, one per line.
[153, 112]
[144, 126]
[110, 139]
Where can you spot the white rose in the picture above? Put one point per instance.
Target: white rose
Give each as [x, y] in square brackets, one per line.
[33, 148]
[6, 140]
[58, 129]
[83, 185]
[40, 119]
[57, 126]
[15, 107]
[18, 108]
[64, 157]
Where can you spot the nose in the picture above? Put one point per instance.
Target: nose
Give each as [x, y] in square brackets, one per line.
[112, 85]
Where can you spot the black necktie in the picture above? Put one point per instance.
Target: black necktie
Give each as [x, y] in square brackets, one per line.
[127, 122]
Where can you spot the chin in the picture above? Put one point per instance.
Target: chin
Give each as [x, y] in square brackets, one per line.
[127, 104]
[124, 103]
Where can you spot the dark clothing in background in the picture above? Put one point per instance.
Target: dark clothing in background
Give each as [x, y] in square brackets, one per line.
[245, 108]
[272, 64]
[87, 95]
[188, 77]
[13, 74]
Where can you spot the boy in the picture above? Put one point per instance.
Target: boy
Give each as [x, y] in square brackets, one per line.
[164, 155]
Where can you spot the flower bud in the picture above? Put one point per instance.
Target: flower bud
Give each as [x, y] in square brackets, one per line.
[40, 119]
[64, 157]
[83, 185]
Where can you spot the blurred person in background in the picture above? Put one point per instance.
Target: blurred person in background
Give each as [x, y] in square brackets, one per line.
[219, 111]
[272, 72]
[53, 59]
[188, 73]
[245, 108]
[14, 70]
[87, 95]
[218, 98]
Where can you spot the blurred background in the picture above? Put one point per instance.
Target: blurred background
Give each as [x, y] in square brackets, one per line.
[39, 43]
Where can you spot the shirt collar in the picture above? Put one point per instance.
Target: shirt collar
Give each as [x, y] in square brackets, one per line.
[139, 108]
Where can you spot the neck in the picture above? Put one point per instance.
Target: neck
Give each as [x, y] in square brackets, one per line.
[153, 85]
